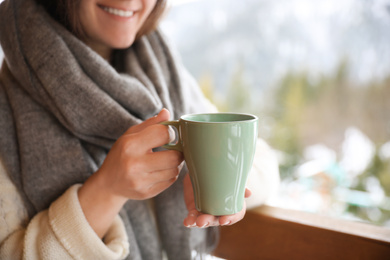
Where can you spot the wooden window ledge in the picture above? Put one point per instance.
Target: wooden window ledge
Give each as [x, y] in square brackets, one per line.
[274, 233]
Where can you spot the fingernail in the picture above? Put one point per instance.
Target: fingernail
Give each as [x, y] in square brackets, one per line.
[205, 225]
[190, 225]
[160, 112]
[172, 134]
[180, 167]
[226, 223]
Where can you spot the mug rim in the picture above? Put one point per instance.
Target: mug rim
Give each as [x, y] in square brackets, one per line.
[249, 117]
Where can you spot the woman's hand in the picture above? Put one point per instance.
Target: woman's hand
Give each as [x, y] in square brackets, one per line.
[131, 170]
[198, 219]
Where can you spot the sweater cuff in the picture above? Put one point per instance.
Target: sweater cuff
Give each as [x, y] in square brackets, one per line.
[76, 235]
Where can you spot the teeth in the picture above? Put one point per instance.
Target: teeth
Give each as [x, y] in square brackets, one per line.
[118, 12]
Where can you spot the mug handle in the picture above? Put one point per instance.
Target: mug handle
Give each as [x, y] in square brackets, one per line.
[176, 146]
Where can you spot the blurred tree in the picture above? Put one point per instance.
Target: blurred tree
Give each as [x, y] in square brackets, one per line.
[291, 97]
[308, 112]
[207, 85]
[238, 97]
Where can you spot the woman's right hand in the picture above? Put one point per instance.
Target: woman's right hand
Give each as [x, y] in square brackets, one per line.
[131, 170]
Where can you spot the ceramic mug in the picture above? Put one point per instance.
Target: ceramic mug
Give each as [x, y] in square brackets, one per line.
[218, 149]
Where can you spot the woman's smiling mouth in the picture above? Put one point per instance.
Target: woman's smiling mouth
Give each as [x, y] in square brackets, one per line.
[118, 12]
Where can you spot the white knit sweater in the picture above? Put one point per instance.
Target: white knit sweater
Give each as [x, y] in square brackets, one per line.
[61, 232]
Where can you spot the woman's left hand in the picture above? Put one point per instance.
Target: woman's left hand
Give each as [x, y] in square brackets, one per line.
[199, 219]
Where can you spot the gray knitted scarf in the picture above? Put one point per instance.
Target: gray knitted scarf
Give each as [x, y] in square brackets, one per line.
[62, 107]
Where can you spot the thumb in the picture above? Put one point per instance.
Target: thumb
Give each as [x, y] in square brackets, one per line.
[162, 116]
[248, 193]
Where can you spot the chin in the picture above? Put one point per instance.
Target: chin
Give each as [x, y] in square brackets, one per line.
[122, 43]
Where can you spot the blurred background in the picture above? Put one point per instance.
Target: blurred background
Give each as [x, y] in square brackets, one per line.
[317, 73]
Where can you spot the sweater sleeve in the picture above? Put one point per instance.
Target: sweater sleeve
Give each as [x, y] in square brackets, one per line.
[263, 179]
[61, 232]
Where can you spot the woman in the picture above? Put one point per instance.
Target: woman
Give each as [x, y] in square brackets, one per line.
[82, 92]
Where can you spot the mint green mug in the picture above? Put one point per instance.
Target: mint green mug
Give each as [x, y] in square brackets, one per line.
[218, 149]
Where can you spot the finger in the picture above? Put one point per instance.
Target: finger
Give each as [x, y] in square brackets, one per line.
[190, 220]
[163, 160]
[162, 116]
[207, 220]
[164, 175]
[159, 187]
[248, 193]
[188, 193]
[151, 137]
[232, 219]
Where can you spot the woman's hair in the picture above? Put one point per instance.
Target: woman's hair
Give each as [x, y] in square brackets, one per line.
[66, 12]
